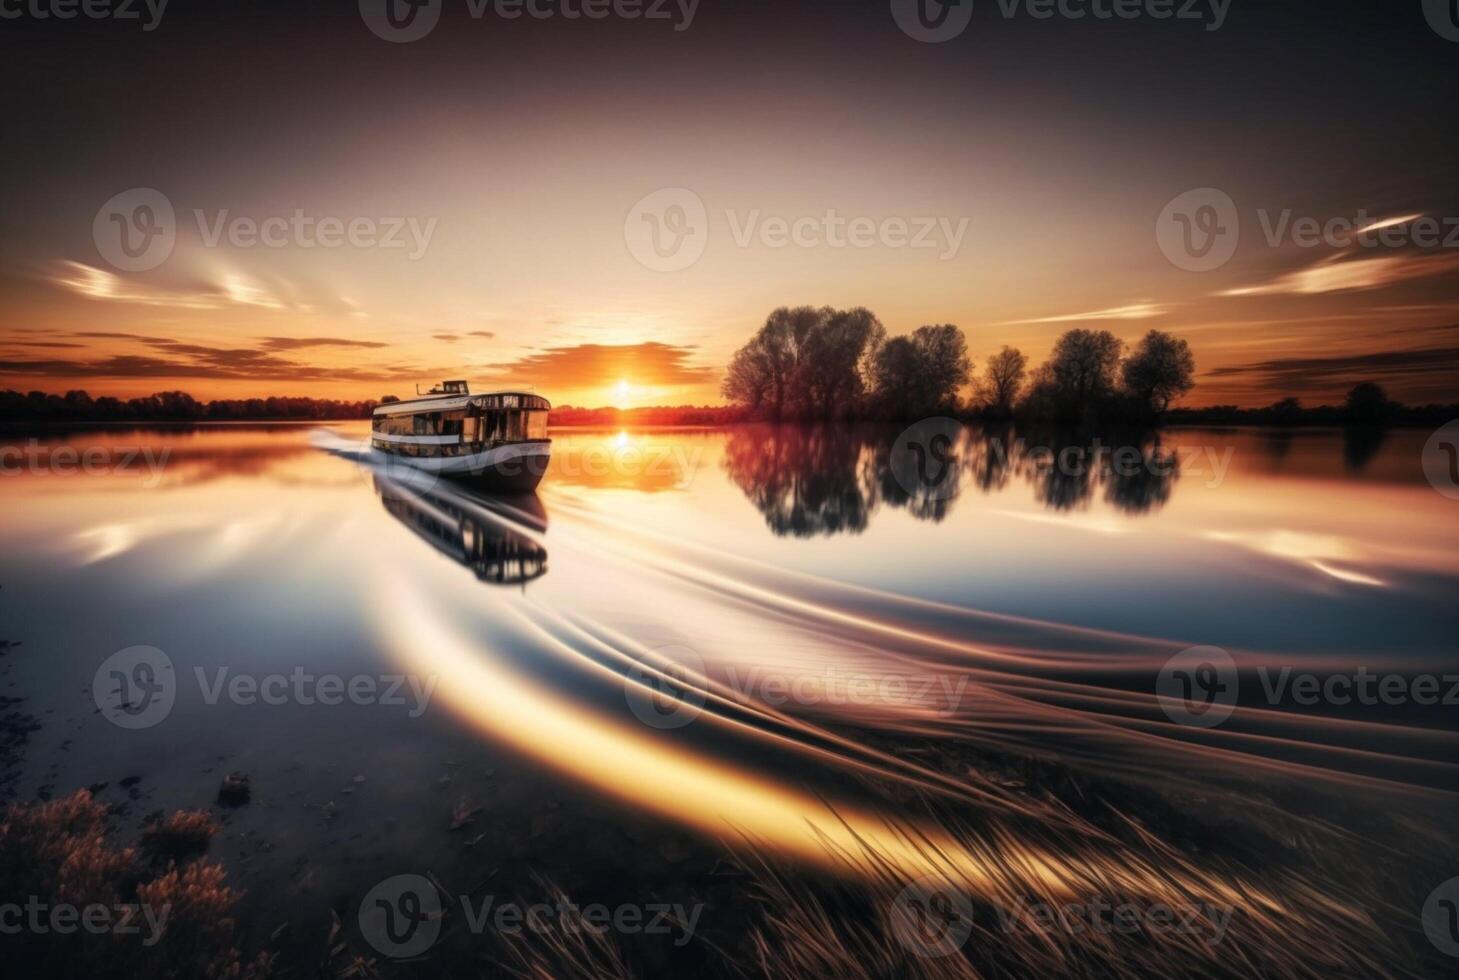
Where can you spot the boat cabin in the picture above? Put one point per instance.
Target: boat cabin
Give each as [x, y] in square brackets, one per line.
[450, 421]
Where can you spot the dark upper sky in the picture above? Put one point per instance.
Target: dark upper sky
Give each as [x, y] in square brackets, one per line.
[1060, 141]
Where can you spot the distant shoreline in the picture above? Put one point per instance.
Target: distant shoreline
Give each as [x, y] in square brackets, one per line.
[1195, 420]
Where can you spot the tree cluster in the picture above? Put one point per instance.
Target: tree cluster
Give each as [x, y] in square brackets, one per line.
[1089, 376]
[811, 363]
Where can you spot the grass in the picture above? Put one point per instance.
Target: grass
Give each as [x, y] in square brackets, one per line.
[58, 854]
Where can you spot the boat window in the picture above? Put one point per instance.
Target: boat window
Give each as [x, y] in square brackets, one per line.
[394, 425]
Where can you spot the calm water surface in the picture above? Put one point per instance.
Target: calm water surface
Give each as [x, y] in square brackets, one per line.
[757, 634]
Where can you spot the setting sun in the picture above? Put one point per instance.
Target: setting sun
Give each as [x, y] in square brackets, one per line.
[620, 394]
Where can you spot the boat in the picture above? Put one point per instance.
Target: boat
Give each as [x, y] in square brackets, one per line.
[495, 441]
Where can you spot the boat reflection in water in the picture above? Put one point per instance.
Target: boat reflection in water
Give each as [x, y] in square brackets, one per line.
[492, 536]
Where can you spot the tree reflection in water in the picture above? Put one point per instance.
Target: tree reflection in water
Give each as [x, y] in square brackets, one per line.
[807, 480]
[1360, 443]
[830, 479]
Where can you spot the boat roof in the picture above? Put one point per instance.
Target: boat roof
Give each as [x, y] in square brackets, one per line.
[442, 402]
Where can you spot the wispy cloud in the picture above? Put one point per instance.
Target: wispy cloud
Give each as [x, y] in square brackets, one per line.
[1426, 368]
[98, 284]
[1339, 274]
[244, 292]
[1135, 311]
[230, 289]
[297, 343]
[167, 357]
[1382, 223]
[219, 365]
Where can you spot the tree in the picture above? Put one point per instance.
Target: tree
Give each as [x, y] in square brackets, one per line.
[767, 372]
[1367, 404]
[1079, 378]
[805, 362]
[831, 373]
[1288, 411]
[747, 380]
[946, 366]
[895, 374]
[1003, 380]
[920, 374]
[1159, 370]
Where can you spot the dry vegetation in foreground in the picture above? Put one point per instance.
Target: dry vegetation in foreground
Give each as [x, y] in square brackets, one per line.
[58, 853]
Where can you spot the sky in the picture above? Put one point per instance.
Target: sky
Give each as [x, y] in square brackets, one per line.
[244, 199]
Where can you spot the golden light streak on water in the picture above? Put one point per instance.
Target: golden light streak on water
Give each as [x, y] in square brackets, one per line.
[728, 801]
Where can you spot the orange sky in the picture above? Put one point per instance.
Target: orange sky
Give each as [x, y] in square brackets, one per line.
[652, 338]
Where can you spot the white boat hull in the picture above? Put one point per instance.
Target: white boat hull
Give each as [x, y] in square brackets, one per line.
[514, 468]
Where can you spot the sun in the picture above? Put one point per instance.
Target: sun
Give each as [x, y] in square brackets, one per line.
[620, 393]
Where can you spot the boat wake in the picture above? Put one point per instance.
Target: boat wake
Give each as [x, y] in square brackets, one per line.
[889, 739]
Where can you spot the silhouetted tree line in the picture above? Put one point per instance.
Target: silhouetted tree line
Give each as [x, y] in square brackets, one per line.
[1367, 404]
[823, 364]
[170, 406]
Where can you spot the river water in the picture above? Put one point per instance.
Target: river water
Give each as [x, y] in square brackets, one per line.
[1213, 668]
